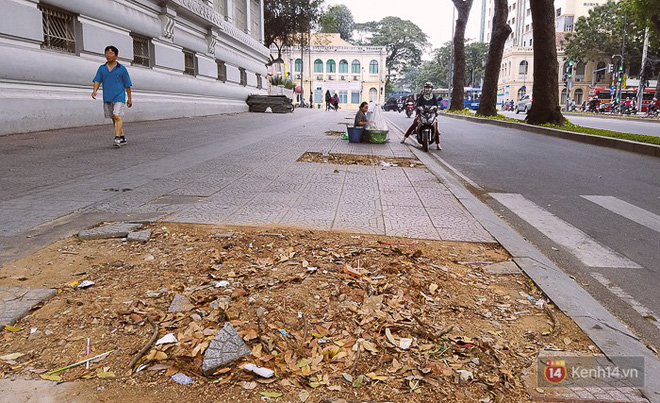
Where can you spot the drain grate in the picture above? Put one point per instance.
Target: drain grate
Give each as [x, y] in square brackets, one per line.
[357, 159]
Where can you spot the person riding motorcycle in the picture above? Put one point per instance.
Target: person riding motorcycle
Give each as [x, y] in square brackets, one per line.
[425, 99]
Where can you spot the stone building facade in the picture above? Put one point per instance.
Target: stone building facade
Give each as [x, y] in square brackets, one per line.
[185, 58]
[355, 73]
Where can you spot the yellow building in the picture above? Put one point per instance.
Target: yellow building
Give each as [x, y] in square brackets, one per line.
[354, 73]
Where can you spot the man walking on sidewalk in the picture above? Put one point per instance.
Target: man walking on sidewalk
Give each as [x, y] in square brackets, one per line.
[116, 84]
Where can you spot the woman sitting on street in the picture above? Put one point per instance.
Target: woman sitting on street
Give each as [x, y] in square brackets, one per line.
[361, 115]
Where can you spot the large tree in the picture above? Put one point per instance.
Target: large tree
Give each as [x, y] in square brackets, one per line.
[458, 91]
[545, 108]
[405, 42]
[499, 35]
[338, 19]
[286, 20]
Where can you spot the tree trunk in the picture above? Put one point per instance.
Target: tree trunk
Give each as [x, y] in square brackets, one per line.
[458, 82]
[501, 31]
[545, 105]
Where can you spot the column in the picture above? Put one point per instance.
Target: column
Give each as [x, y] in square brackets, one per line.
[262, 36]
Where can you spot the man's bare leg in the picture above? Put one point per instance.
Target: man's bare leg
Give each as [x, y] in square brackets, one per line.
[119, 125]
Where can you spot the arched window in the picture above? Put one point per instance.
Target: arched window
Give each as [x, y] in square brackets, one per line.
[373, 67]
[562, 97]
[330, 66]
[355, 67]
[521, 93]
[579, 70]
[373, 94]
[343, 66]
[522, 69]
[579, 95]
[298, 65]
[600, 75]
[318, 66]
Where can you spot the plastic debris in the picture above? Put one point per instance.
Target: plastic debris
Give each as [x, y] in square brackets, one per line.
[222, 283]
[284, 333]
[182, 379]
[96, 357]
[405, 343]
[85, 284]
[261, 371]
[465, 375]
[167, 339]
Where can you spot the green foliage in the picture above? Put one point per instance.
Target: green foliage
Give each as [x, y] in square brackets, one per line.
[606, 133]
[338, 19]
[405, 42]
[283, 82]
[476, 54]
[436, 70]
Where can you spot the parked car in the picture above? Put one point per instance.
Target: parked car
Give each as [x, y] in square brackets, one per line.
[391, 105]
[524, 104]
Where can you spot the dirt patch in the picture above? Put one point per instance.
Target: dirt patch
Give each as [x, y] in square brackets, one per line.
[334, 133]
[356, 159]
[335, 315]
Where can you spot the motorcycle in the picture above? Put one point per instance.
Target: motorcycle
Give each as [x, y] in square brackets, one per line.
[426, 125]
[653, 111]
[409, 108]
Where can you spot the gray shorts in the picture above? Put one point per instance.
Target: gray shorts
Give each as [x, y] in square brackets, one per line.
[113, 108]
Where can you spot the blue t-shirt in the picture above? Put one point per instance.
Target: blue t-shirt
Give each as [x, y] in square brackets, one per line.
[114, 82]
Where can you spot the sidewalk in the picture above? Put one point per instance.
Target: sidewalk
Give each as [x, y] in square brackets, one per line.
[336, 294]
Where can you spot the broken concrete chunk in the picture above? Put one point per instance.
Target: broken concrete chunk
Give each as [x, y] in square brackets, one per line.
[508, 267]
[227, 346]
[116, 230]
[180, 303]
[140, 236]
[17, 302]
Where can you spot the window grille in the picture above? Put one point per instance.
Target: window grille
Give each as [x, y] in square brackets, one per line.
[141, 53]
[243, 76]
[259, 86]
[222, 71]
[189, 63]
[58, 29]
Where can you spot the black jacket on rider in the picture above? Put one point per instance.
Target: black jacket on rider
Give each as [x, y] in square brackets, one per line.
[421, 101]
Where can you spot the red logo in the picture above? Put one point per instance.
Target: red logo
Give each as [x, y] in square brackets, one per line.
[555, 371]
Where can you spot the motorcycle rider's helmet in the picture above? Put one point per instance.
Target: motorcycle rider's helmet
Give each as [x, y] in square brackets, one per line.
[428, 90]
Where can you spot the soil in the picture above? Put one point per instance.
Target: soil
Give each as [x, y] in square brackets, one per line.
[330, 312]
[356, 159]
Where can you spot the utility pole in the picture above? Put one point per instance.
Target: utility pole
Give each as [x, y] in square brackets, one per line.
[642, 83]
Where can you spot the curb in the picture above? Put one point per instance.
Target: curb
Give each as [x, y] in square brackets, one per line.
[621, 144]
[603, 328]
[614, 117]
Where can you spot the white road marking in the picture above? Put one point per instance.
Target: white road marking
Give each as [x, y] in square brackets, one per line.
[581, 245]
[641, 309]
[627, 210]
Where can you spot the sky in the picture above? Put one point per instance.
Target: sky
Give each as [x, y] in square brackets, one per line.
[433, 17]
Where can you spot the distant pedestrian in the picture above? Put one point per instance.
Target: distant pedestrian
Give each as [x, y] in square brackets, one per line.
[328, 100]
[335, 101]
[116, 85]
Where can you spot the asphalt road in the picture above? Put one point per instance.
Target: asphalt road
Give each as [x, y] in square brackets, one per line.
[627, 125]
[540, 182]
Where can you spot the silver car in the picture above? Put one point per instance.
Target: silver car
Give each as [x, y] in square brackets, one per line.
[524, 104]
